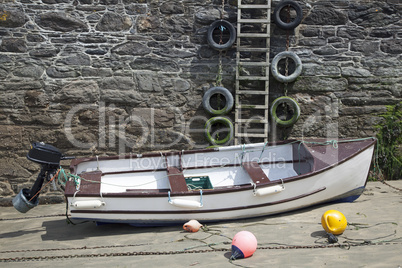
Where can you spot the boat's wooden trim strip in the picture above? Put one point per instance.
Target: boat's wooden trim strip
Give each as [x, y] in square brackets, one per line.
[200, 210]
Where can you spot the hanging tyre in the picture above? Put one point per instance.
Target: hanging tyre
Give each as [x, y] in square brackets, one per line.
[223, 27]
[293, 23]
[283, 78]
[228, 128]
[282, 118]
[228, 99]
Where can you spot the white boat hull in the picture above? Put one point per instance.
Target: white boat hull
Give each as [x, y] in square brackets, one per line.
[339, 181]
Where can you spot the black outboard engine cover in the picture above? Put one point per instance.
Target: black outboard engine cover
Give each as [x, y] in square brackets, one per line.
[44, 154]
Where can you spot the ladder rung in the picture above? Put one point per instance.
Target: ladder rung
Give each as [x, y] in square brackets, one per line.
[252, 92]
[253, 49]
[250, 106]
[251, 135]
[254, 35]
[253, 20]
[253, 6]
[260, 121]
[259, 78]
[253, 63]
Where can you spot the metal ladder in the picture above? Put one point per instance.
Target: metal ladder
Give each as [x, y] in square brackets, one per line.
[252, 72]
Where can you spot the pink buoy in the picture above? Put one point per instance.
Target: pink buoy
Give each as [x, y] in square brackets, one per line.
[192, 226]
[244, 244]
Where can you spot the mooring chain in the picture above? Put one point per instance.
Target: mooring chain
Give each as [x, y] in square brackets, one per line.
[220, 67]
[33, 217]
[76, 248]
[147, 253]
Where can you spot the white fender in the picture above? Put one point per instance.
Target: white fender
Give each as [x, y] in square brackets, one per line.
[185, 203]
[88, 204]
[269, 190]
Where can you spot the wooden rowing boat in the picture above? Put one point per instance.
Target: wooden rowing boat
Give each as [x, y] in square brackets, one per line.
[224, 183]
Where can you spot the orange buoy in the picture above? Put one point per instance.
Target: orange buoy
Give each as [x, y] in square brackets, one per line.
[334, 222]
[192, 226]
[244, 244]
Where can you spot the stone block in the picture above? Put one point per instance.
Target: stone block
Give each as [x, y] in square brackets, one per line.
[12, 16]
[5, 189]
[113, 22]
[12, 139]
[44, 52]
[155, 64]
[36, 98]
[148, 83]
[206, 15]
[311, 69]
[117, 96]
[132, 48]
[326, 50]
[365, 47]
[62, 72]
[319, 84]
[147, 23]
[60, 21]
[16, 45]
[356, 72]
[392, 46]
[172, 7]
[29, 71]
[373, 14]
[79, 59]
[118, 83]
[326, 16]
[78, 92]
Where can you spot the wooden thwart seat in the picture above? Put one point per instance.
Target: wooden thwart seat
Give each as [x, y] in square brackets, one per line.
[255, 172]
[176, 180]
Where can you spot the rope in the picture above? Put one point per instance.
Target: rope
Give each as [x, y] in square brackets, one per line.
[63, 177]
[44, 186]
[262, 151]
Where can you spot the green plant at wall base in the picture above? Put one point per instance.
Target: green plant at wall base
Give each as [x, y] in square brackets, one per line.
[390, 143]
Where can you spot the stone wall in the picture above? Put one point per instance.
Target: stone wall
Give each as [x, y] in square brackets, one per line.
[99, 77]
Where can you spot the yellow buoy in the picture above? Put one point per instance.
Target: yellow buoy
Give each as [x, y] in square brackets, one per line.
[334, 222]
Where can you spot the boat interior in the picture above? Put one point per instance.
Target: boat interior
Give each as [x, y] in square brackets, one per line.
[209, 169]
[184, 171]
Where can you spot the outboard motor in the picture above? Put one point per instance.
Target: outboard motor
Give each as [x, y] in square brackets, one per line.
[49, 157]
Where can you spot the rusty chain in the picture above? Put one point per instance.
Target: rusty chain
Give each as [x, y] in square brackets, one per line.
[32, 217]
[148, 253]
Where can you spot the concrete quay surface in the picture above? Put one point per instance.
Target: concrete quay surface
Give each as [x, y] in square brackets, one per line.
[43, 238]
